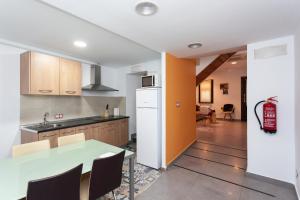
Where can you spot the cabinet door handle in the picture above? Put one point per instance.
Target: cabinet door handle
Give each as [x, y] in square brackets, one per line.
[45, 91]
[71, 92]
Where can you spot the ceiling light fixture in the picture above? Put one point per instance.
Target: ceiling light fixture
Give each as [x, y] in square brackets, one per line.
[195, 45]
[146, 8]
[234, 62]
[80, 44]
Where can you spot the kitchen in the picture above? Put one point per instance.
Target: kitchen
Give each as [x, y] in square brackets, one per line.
[100, 115]
[64, 79]
[63, 139]
[55, 100]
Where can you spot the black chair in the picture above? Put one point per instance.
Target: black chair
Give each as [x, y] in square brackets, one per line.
[65, 186]
[106, 175]
[228, 110]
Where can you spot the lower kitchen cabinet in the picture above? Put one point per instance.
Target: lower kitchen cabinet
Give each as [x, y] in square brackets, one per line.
[107, 133]
[114, 132]
[123, 132]
[87, 130]
[51, 136]
[111, 132]
[66, 132]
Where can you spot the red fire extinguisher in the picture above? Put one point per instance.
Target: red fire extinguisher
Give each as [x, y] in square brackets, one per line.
[269, 115]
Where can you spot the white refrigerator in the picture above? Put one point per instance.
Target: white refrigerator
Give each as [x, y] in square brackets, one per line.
[148, 125]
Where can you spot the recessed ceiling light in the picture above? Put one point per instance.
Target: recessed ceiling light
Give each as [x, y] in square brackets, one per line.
[146, 8]
[195, 45]
[79, 43]
[234, 62]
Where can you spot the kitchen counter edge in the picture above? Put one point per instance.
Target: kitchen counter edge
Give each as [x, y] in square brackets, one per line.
[102, 120]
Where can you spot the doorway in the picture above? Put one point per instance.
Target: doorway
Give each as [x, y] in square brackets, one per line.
[223, 142]
[244, 98]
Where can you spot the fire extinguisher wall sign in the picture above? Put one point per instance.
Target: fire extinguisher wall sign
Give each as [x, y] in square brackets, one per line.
[269, 115]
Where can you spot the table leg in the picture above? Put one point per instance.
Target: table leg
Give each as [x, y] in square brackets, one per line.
[131, 178]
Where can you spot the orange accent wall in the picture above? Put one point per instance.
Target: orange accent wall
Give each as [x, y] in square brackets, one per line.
[180, 121]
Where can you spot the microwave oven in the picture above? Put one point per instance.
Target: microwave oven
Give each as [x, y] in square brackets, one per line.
[150, 81]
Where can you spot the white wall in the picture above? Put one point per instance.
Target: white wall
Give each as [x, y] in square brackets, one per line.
[232, 76]
[272, 155]
[125, 79]
[204, 62]
[111, 77]
[9, 98]
[153, 66]
[297, 110]
[10, 93]
[117, 77]
[133, 81]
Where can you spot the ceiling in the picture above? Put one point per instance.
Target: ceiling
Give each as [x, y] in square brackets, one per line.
[236, 62]
[242, 64]
[38, 25]
[218, 25]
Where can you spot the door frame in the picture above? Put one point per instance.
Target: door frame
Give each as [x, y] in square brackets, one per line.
[244, 98]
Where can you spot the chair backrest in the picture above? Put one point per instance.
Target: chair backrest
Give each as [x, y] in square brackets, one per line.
[28, 148]
[70, 139]
[106, 175]
[228, 107]
[65, 186]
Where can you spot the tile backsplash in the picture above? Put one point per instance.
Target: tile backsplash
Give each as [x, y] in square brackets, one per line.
[34, 107]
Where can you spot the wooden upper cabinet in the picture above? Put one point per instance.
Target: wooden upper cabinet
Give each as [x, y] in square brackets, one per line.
[42, 74]
[39, 74]
[70, 77]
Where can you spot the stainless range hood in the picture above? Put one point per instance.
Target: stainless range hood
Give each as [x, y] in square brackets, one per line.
[96, 84]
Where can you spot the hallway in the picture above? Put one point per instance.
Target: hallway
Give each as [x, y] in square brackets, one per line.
[214, 168]
[225, 133]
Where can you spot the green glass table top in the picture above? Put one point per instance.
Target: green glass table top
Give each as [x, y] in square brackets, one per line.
[16, 172]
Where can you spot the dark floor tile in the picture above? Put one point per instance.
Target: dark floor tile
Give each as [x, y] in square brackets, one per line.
[219, 158]
[220, 149]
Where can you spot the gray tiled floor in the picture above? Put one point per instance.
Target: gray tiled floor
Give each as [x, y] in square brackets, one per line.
[219, 149]
[203, 175]
[219, 158]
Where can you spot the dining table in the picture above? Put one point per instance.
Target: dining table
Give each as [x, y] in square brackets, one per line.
[15, 173]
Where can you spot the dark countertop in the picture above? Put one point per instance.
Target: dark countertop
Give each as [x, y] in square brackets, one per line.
[56, 125]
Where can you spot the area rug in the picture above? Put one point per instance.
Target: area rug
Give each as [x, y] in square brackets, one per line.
[144, 177]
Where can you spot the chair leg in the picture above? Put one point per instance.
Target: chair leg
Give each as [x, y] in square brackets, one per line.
[226, 116]
[114, 195]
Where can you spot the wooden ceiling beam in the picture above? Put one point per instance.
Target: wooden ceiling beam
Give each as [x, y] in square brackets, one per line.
[213, 66]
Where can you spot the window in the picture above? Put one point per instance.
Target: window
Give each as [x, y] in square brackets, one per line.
[206, 91]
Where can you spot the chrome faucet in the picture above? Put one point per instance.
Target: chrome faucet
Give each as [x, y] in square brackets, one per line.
[45, 118]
